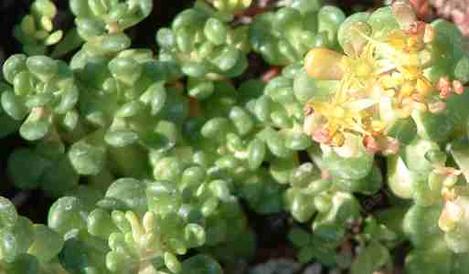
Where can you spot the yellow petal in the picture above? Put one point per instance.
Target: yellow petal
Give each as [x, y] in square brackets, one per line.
[361, 104]
[424, 86]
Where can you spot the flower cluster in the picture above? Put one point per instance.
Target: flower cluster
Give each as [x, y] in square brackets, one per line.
[383, 78]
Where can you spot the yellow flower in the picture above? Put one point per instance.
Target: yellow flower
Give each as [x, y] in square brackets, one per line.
[383, 82]
[358, 70]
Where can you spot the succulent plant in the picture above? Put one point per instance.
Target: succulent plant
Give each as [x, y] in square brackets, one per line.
[36, 30]
[204, 46]
[283, 36]
[162, 162]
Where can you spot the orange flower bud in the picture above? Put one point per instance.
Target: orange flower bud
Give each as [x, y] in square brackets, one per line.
[321, 136]
[458, 87]
[324, 64]
[370, 144]
[444, 86]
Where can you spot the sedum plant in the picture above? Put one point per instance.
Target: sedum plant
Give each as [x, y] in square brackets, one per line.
[125, 107]
[234, 144]
[42, 93]
[400, 97]
[146, 226]
[95, 18]
[26, 247]
[204, 46]
[36, 30]
[166, 162]
[283, 36]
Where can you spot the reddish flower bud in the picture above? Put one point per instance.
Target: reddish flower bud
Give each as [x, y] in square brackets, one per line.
[458, 87]
[321, 136]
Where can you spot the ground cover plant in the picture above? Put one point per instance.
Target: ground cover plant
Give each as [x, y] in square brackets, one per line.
[241, 137]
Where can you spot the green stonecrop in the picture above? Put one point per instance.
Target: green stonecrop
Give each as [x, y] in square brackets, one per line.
[147, 226]
[395, 96]
[125, 106]
[51, 171]
[205, 47]
[234, 143]
[162, 162]
[282, 37]
[42, 94]
[36, 30]
[26, 247]
[96, 17]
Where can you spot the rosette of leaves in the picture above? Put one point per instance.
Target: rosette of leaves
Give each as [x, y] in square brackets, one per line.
[206, 191]
[330, 209]
[150, 226]
[376, 241]
[204, 44]
[281, 108]
[313, 188]
[42, 95]
[377, 237]
[95, 18]
[235, 143]
[48, 168]
[101, 24]
[421, 226]
[421, 181]
[26, 247]
[437, 186]
[125, 108]
[283, 36]
[36, 30]
[431, 171]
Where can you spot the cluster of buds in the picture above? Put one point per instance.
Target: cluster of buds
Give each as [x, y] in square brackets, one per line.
[381, 80]
[447, 87]
[455, 10]
[453, 219]
[455, 195]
